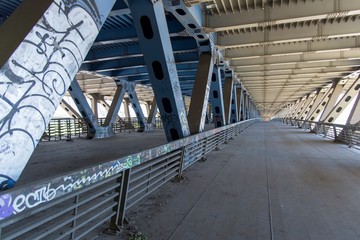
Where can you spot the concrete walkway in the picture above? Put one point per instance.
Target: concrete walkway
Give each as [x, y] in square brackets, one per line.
[271, 182]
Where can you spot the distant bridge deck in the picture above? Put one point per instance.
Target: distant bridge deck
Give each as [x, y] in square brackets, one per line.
[272, 182]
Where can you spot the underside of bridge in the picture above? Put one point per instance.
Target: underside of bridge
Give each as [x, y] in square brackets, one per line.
[187, 61]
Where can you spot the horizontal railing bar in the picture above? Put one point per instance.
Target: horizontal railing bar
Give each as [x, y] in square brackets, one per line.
[36, 210]
[158, 173]
[170, 170]
[98, 213]
[56, 213]
[137, 177]
[55, 226]
[168, 177]
[151, 162]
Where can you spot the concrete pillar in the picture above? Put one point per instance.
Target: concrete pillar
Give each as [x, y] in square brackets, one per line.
[40, 56]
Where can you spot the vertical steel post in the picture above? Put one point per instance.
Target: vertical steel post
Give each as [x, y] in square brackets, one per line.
[216, 98]
[199, 101]
[151, 27]
[228, 91]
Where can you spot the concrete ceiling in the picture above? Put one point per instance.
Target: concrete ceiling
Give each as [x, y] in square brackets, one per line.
[282, 50]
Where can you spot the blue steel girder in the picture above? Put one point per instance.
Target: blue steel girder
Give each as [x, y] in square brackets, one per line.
[127, 72]
[190, 17]
[216, 98]
[115, 106]
[151, 28]
[84, 108]
[147, 78]
[128, 34]
[135, 103]
[37, 65]
[111, 65]
[179, 45]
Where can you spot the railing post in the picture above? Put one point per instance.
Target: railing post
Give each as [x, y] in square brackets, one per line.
[181, 166]
[121, 209]
[226, 136]
[335, 133]
[217, 141]
[203, 158]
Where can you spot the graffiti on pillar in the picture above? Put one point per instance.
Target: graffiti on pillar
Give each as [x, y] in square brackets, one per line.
[37, 75]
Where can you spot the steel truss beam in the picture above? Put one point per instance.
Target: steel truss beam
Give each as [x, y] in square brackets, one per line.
[304, 107]
[216, 98]
[84, 108]
[240, 101]
[130, 89]
[316, 97]
[69, 109]
[199, 101]
[336, 109]
[114, 108]
[331, 100]
[151, 27]
[152, 112]
[234, 115]
[354, 116]
[228, 91]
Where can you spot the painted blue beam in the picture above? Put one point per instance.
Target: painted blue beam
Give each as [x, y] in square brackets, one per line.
[216, 98]
[146, 77]
[132, 62]
[189, 17]
[84, 108]
[154, 39]
[142, 70]
[111, 36]
[135, 103]
[102, 54]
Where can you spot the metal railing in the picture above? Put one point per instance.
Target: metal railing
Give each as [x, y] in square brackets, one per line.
[80, 204]
[69, 128]
[348, 134]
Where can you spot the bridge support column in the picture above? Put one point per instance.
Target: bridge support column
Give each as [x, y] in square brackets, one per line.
[331, 101]
[114, 108]
[216, 98]
[228, 91]
[69, 109]
[137, 107]
[239, 96]
[94, 104]
[200, 96]
[151, 27]
[316, 102]
[39, 59]
[152, 113]
[84, 108]
[351, 94]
